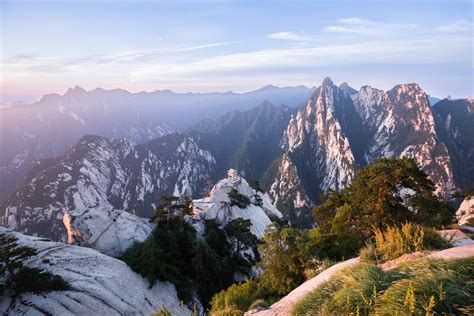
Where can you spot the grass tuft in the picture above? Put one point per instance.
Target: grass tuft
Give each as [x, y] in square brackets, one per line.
[416, 287]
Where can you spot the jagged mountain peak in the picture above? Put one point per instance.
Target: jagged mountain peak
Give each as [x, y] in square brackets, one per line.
[327, 82]
[345, 86]
[101, 173]
[75, 91]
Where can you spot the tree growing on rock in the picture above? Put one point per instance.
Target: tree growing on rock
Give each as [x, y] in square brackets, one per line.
[15, 278]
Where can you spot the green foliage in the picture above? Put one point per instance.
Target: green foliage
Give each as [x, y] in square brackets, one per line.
[238, 199]
[415, 288]
[166, 255]
[238, 298]
[443, 287]
[169, 207]
[238, 231]
[17, 279]
[282, 261]
[254, 184]
[373, 200]
[396, 241]
[173, 253]
[36, 281]
[162, 312]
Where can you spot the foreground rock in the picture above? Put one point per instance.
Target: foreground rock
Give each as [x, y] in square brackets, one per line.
[101, 285]
[218, 206]
[284, 306]
[465, 211]
[109, 231]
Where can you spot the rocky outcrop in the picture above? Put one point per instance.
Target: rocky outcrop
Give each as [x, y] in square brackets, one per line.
[465, 211]
[48, 127]
[457, 119]
[100, 285]
[400, 122]
[110, 232]
[317, 140]
[286, 189]
[218, 205]
[341, 130]
[107, 174]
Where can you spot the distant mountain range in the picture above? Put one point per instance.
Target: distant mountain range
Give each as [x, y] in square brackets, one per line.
[48, 127]
[297, 151]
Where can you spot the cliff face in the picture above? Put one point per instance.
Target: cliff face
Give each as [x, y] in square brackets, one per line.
[107, 174]
[99, 285]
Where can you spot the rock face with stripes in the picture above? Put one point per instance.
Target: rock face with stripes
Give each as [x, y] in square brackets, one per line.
[400, 122]
[341, 130]
[109, 231]
[218, 205]
[297, 154]
[107, 174]
[100, 285]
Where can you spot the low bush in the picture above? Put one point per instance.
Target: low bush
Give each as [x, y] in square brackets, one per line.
[394, 242]
[416, 287]
[239, 298]
[16, 279]
[238, 199]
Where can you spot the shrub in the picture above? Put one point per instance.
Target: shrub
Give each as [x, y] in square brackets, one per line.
[254, 184]
[238, 199]
[414, 288]
[17, 279]
[282, 261]
[396, 241]
[173, 253]
[239, 298]
[368, 254]
[442, 287]
[354, 289]
[374, 199]
[36, 281]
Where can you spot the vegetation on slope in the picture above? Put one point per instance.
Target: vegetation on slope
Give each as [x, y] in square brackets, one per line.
[395, 241]
[387, 206]
[418, 287]
[16, 279]
[174, 253]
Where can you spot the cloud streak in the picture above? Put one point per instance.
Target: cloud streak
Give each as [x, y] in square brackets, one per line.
[34, 62]
[290, 36]
[395, 52]
[356, 25]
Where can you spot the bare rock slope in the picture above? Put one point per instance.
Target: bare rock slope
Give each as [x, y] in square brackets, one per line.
[101, 285]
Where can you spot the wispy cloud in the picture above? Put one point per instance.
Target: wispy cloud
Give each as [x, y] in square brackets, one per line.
[345, 29]
[388, 52]
[456, 27]
[291, 36]
[353, 20]
[358, 25]
[38, 63]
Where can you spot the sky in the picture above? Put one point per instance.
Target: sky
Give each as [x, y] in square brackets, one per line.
[200, 46]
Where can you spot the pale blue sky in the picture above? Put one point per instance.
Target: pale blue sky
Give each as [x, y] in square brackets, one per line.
[233, 45]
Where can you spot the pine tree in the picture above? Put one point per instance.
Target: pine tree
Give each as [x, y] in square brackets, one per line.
[171, 206]
[238, 230]
[16, 278]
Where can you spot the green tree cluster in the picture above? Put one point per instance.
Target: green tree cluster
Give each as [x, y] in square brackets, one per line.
[388, 192]
[238, 199]
[15, 278]
[174, 253]
[346, 220]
